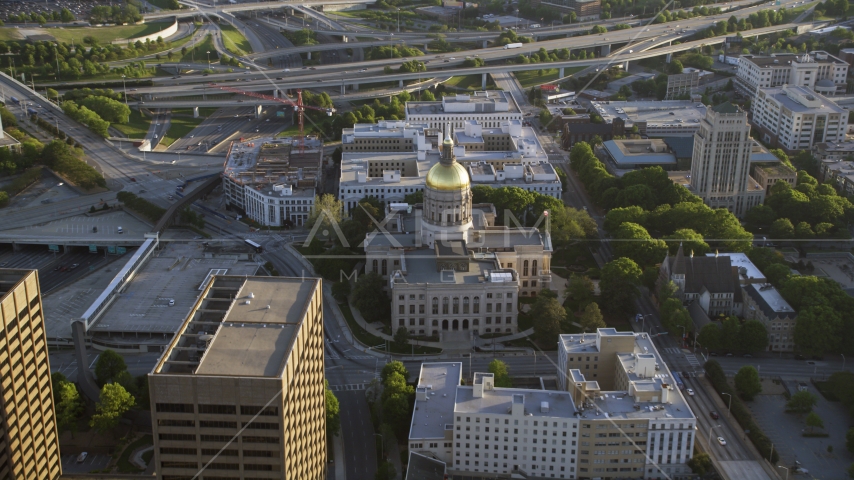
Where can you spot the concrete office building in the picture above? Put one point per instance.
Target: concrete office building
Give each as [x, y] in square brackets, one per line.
[632, 424]
[29, 444]
[626, 393]
[509, 155]
[720, 166]
[449, 267]
[386, 136]
[271, 181]
[764, 303]
[239, 392]
[796, 118]
[818, 70]
[682, 84]
[490, 108]
[833, 151]
[669, 118]
[768, 175]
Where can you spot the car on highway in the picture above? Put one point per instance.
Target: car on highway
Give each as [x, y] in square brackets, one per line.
[312, 68]
[714, 415]
[82, 457]
[279, 78]
[58, 268]
[74, 265]
[363, 70]
[690, 392]
[722, 441]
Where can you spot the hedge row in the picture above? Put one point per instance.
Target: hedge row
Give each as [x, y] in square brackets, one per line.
[50, 127]
[141, 205]
[716, 375]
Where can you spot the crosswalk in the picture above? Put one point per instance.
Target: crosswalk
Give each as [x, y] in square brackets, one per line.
[673, 350]
[349, 387]
[692, 359]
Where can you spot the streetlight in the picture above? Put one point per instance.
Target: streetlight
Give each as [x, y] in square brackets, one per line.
[398, 20]
[787, 471]
[124, 86]
[382, 444]
[710, 434]
[209, 59]
[643, 325]
[728, 408]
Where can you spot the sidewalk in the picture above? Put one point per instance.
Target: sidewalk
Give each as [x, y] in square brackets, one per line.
[338, 471]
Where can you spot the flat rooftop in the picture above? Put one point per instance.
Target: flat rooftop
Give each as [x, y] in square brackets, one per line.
[751, 273]
[500, 400]
[802, 100]
[242, 326]
[440, 380]
[175, 274]
[269, 160]
[9, 278]
[785, 59]
[770, 301]
[491, 101]
[778, 170]
[634, 152]
[652, 112]
[422, 267]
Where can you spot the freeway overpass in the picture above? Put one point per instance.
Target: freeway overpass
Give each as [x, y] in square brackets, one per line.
[243, 7]
[335, 75]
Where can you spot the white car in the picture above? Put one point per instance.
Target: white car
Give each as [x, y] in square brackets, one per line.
[82, 457]
[690, 392]
[722, 441]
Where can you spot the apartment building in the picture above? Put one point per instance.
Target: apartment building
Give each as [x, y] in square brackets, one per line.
[796, 118]
[29, 441]
[239, 392]
[720, 165]
[817, 70]
[764, 303]
[490, 108]
[273, 181]
[634, 421]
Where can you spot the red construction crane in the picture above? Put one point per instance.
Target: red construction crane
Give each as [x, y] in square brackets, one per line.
[299, 106]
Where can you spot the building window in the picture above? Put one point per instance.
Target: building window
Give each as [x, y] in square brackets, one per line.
[445, 305]
[465, 304]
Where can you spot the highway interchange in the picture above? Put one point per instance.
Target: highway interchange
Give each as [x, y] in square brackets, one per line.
[348, 368]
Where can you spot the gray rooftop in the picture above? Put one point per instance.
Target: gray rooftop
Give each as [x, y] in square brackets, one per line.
[802, 100]
[652, 112]
[247, 350]
[649, 152]
[424, 468]
[785, 59]
[499, 400]
[265, 300]
[440, 380]
[770, 301]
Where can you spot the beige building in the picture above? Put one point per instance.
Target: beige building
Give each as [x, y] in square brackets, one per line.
[817, 70]
[29, 444]
[682, 84]
[651, 436]
[720, 165]
[239, 392]
[768, 175]
[764, 303]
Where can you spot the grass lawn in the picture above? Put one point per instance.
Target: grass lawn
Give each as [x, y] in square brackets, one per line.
[529, 78]
[204, 112]
[234, 41]
[180, 127]
[197, 53]
[105, 35]
[291, 131]
[137, 127]
[124, 464]
[469, 82]
[360, 333]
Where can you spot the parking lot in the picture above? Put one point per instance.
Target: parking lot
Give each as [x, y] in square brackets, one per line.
[784, 430]
[94, 461]
[80, 8]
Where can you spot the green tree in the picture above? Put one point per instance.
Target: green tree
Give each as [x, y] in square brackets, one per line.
[674, 67]
[328, 210]
[753, 336]
[760, 216]
[813, 421]
[548, 315]
[801, 402]
[634, 242]
[56, 381]
[710, 336]
[69, 408]
[579, 288]
[66, 16]
[333, 412]
[370, 298]
[113, 402]
[851, 471]
[849, 440]
[619, 283]
[777, 274]
[340, 290]
[747, 382]
[108, 366]
[385, 471]
[782, 229]
[817, 328]
[401, 339]
[499, 370]
[700, 464]
[690, 240]
[366, 214]
[591, 318]
[395, 366]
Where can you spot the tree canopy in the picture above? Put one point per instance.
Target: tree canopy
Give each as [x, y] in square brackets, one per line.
[747, 382]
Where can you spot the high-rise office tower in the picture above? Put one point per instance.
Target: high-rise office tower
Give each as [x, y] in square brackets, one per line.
[720, 165]
[239, 392]
[29, 442]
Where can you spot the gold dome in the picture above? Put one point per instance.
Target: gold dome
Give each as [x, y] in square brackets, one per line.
[448, 177]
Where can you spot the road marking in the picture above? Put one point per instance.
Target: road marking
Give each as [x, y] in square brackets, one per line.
[692, 359]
